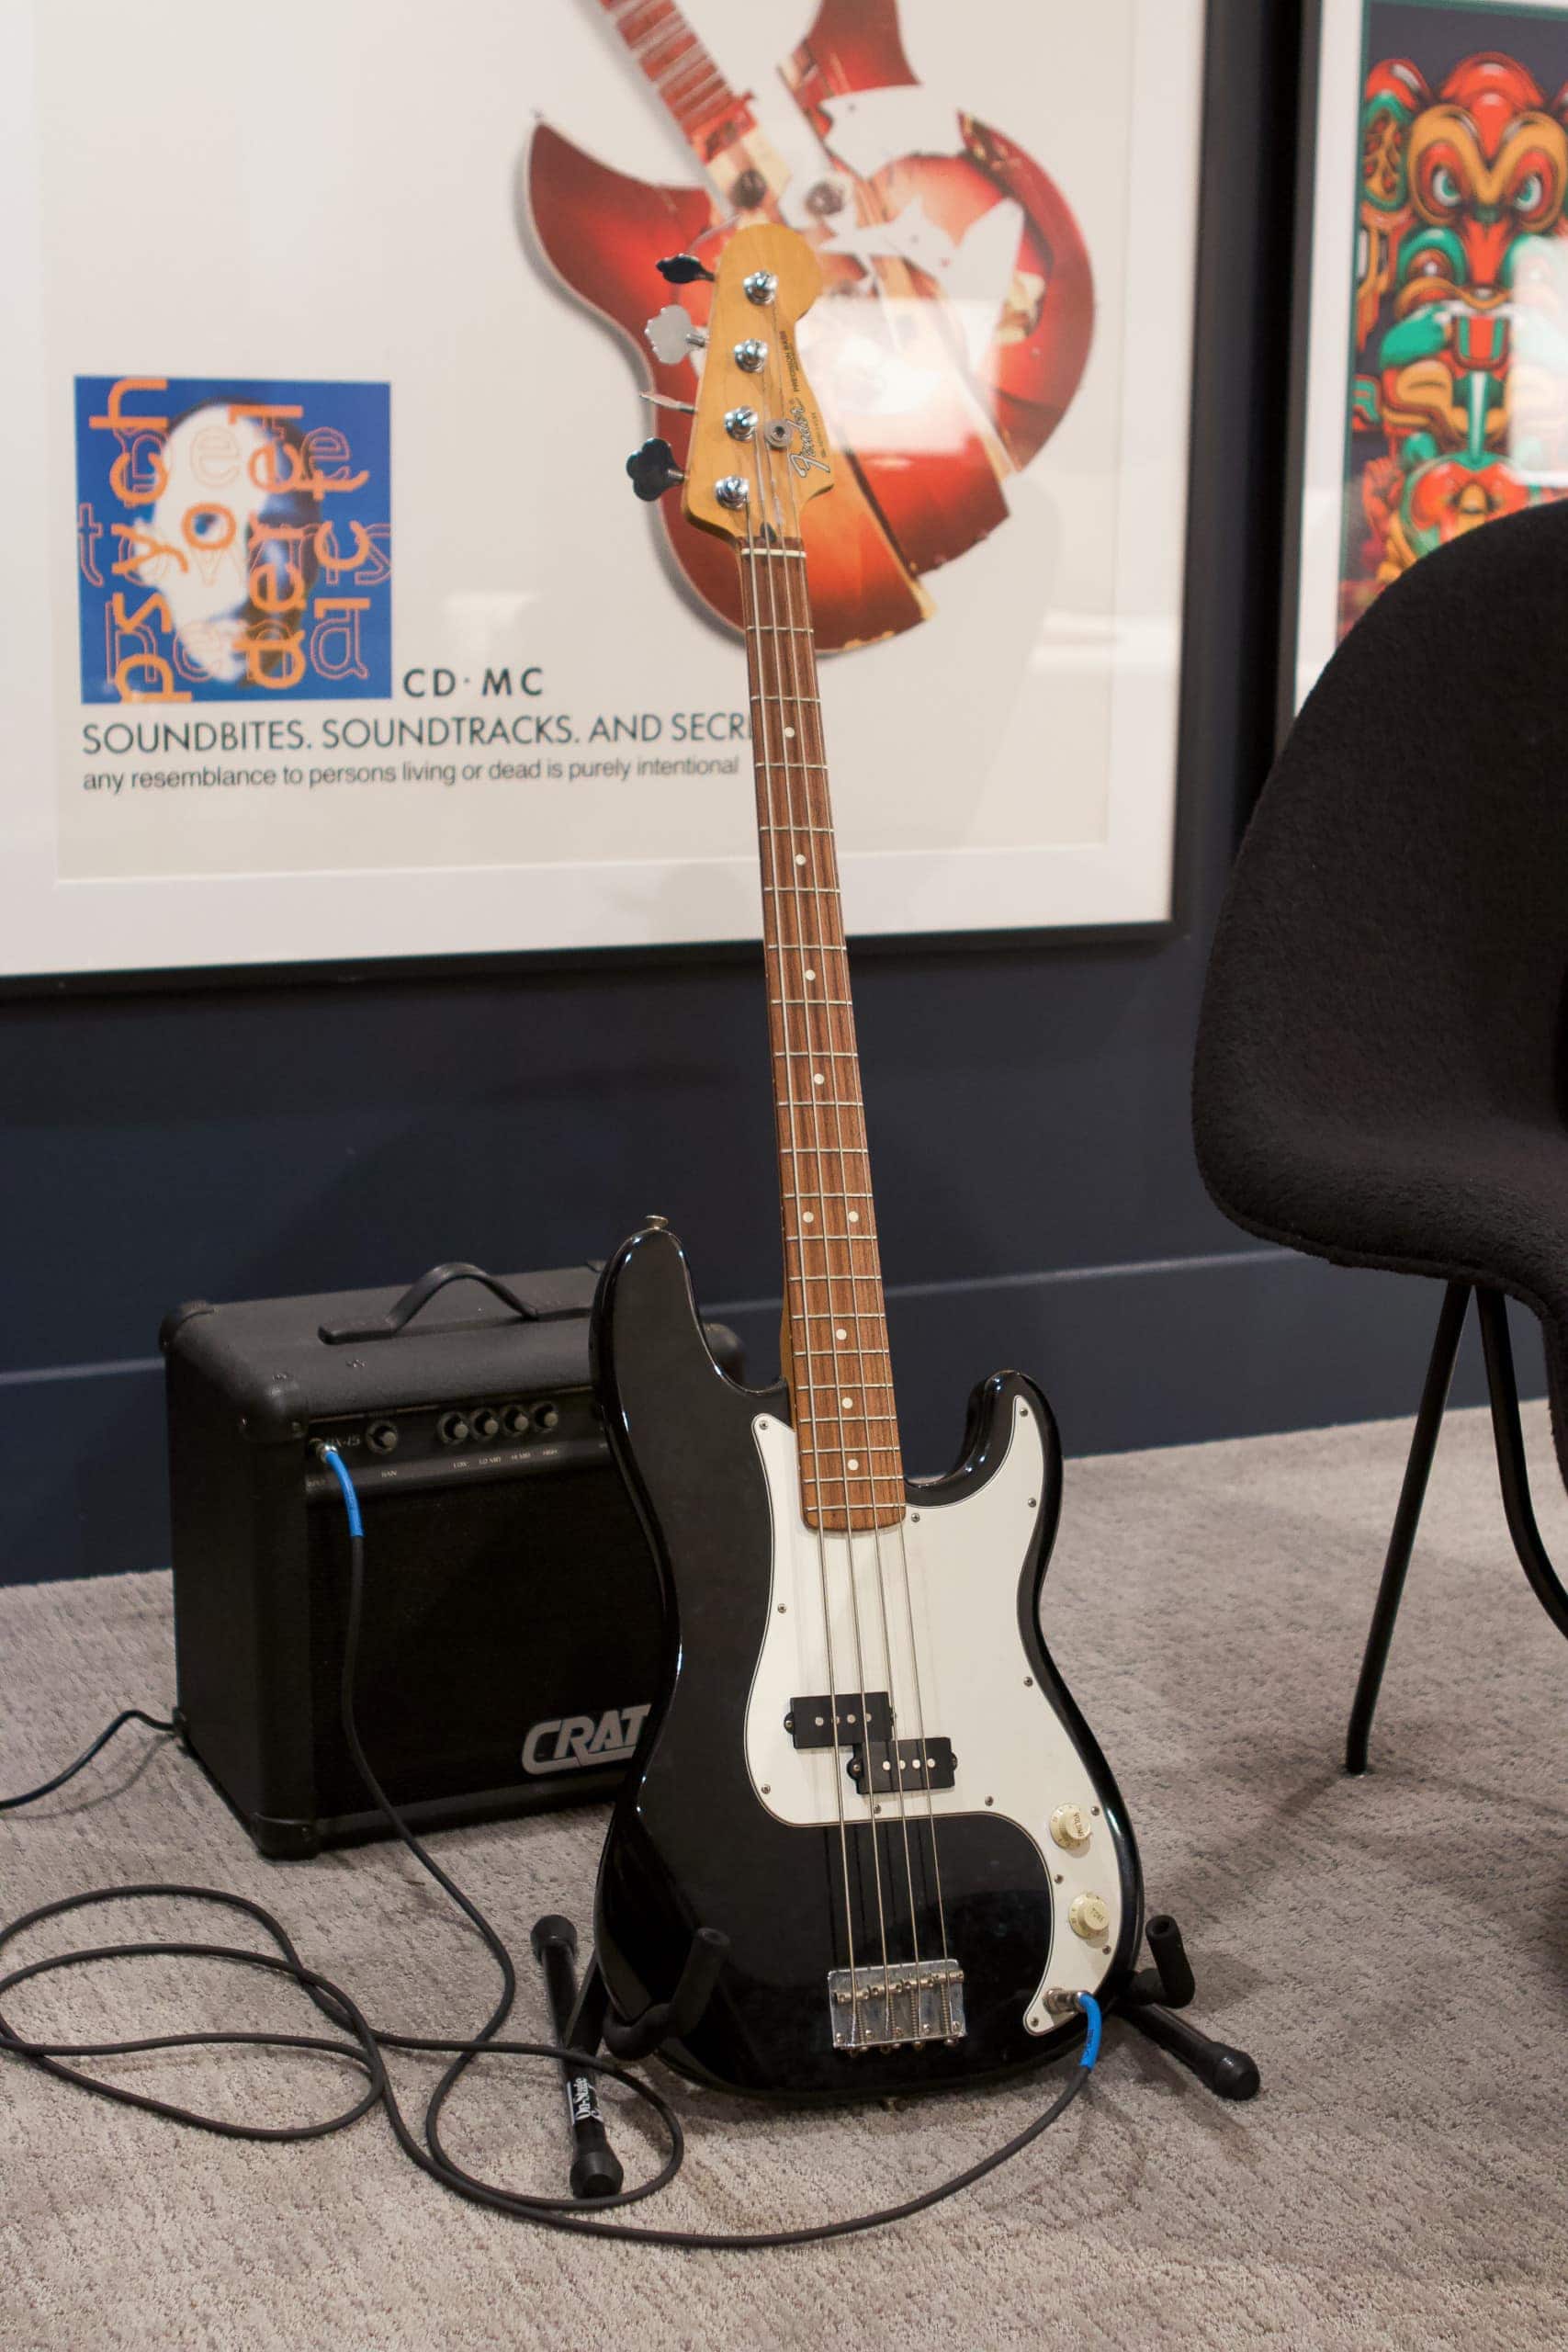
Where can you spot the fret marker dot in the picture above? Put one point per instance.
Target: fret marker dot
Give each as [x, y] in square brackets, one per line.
[853, 1463]
[816, 1077]
[808, 1217]
[840, 1335]
[846, 1400]
[854, 1216]
[811, 976]
[790, 733]
[800, 857]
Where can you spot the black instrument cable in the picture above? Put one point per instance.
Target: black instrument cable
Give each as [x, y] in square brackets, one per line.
[366, 2045]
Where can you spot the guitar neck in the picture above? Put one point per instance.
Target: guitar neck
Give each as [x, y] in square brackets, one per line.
[705, 108]
[836, 1353]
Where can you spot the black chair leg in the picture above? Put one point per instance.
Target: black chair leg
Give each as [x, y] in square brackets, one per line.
[1412, 1495]
[1512, 1475]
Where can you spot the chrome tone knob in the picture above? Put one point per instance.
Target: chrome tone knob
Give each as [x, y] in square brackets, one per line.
[731, 490]
[752, 354]
[671, 335]
[1069, 1827]
[740, 423]
[761, 286]
[1089, 1915]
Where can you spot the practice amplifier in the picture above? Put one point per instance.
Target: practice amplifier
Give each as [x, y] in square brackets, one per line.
[512, 1627]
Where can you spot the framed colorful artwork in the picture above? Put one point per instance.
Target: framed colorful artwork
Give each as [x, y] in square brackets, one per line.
[343, 638]
[1432, 327]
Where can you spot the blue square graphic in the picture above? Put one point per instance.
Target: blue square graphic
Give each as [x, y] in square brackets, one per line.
[233, 540]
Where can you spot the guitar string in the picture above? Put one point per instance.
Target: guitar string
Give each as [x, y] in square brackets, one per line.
[804, 615]
[826, 883]
[766, 474]
[799, 901]
[749, 604]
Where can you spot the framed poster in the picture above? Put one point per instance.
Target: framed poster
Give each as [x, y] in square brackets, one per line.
[341, 636]
[1433, 378]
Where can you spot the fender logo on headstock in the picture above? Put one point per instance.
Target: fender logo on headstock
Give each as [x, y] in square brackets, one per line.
[804, 457]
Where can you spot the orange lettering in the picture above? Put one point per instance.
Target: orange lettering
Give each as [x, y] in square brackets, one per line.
[334, 642]
[205, 542]
[165, 690]
[143, 548]
[122, 473]
[115, 421]
[271, 637]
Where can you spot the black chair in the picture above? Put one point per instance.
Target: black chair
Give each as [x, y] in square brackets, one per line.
[1380, 1062]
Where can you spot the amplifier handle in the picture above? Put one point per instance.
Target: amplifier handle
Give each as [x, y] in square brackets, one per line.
[420, 1294]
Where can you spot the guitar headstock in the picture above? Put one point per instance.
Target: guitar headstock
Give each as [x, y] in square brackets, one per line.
[759, 449]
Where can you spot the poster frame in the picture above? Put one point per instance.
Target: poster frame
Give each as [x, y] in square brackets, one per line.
[1202, 662]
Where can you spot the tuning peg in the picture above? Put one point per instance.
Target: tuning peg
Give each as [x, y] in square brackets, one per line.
[662, 400]
[653, 470]
[671, 335]
[682, 270]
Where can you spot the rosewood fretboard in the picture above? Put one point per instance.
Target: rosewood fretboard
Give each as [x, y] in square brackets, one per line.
[835, 1320]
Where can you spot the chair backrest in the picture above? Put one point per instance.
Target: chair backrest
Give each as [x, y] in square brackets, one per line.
[1390, 959]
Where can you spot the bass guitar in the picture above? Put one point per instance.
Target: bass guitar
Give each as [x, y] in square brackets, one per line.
[864, 1793]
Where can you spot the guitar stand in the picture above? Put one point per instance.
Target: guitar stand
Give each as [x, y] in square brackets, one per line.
[1169, 1984]
[583, 2018]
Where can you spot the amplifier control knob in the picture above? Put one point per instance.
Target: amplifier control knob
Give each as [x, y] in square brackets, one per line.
[545, 1416]
[1069, 1827]
[484, 1422]
[1089, 1915]
[452, 1429]
[515, 1419]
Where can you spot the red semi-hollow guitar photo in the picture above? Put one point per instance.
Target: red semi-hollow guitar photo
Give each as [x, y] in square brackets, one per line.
[958, 302]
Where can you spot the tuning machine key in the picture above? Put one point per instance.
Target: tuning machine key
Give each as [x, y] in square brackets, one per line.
[672, 336]
[652, 470]
[682, 269]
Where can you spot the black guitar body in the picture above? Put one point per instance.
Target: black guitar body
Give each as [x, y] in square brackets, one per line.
[691, 1844]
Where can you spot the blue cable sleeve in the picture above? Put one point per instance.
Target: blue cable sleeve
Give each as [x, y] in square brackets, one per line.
[334, 1462]
[1091, 2008]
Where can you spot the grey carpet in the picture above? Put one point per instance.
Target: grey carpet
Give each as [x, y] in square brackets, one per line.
[1392, 1950]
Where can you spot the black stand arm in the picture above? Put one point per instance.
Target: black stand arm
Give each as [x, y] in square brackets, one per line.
[1228, 2073]
[584, 2018]
[595, 2167]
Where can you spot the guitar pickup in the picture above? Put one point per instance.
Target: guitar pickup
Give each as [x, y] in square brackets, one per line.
[809, 1722]
[921, 1764]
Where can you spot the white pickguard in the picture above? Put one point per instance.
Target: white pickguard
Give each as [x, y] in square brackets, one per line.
[975, 1689]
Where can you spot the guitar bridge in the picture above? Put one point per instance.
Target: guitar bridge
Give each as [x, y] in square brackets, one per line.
[908, 2001]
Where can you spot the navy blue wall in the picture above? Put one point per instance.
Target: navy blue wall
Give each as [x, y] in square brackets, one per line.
[1028, 1103]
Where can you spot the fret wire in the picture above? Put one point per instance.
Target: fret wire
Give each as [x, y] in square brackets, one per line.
[666, 83]
[676, 41]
